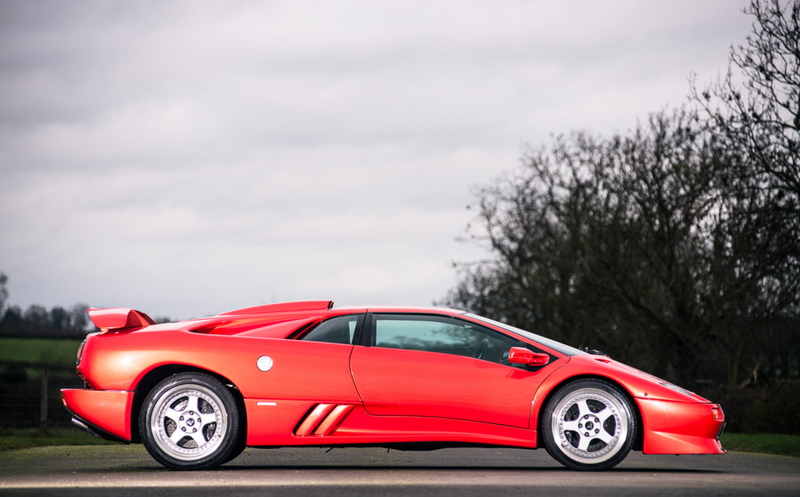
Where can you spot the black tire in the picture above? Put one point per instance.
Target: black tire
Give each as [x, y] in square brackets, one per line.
[588, 425]
[237, 450]
[241, 443]
[190, 421]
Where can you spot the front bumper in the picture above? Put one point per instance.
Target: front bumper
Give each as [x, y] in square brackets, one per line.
[681, 427]
[104, 411]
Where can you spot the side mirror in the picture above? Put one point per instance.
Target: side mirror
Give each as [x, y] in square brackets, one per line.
[520, 355]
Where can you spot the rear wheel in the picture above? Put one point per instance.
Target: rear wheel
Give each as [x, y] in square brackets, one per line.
[190, 421]
[588, 425]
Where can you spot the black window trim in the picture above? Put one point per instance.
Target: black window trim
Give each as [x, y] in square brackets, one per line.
[365, 332]
[301, 330]
[308, 328]
[368, 335]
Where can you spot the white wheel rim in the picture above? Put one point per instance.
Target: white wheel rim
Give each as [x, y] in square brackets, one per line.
[188, 422]
[590, 425]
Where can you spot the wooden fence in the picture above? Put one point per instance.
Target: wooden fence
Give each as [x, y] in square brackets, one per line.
[30, 396]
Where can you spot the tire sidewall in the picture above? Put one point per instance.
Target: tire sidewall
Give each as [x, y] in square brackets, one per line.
[551, 439]
[230, 438]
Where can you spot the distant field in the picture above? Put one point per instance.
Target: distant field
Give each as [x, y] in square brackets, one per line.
[57, 353]
[25, 439]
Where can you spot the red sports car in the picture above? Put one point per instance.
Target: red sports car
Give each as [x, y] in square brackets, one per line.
[196, 393]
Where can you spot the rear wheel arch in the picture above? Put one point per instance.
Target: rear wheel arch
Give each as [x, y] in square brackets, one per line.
[638, 443]
[160, 373]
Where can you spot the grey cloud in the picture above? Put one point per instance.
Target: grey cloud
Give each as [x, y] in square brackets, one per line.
[190, 157]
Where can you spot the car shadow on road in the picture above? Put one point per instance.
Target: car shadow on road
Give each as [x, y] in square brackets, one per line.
[428, 467]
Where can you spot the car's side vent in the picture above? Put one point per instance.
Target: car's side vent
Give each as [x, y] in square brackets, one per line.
[323, 419]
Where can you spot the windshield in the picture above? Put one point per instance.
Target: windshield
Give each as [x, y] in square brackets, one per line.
[547, 342]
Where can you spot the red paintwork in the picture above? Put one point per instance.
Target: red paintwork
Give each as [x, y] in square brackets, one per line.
[119, 318]
[679, 427]
[395, 382]
[108, 410]
[336, 394]
[673, 422]
[361, 428]
[520, 355]
[332, 422]
[314, 419]
[309, 305]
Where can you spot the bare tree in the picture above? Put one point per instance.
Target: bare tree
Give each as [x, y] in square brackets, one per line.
[763, 114]
[3, 292]
[641, 245]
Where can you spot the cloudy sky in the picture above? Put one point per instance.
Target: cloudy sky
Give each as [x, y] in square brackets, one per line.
[186, 158]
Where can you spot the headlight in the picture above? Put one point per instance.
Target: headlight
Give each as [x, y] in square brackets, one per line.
[676, 388]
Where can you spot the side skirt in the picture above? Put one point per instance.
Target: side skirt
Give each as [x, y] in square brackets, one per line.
[281, 423]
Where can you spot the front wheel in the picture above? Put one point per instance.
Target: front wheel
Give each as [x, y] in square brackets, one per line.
[190, 421]
[588, 425]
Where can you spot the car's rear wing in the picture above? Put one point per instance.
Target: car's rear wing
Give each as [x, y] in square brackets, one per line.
[119, 319]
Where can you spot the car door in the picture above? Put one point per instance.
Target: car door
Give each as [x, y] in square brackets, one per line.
[441, 366]
[316, 364]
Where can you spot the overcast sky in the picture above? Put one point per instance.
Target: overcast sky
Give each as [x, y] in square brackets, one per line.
[188, 158]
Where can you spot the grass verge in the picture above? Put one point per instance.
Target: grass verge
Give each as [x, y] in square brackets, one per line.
[781, 445]
[25, 439]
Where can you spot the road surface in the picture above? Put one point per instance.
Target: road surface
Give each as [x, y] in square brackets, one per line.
[128, 470]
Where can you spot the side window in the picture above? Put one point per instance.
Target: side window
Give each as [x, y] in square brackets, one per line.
[440, 334]
[340, 329]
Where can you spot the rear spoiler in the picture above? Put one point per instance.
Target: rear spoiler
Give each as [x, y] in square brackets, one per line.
[119, 319]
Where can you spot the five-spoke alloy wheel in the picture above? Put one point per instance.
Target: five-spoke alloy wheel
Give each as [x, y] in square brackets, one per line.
[190, 421]
[588, 425]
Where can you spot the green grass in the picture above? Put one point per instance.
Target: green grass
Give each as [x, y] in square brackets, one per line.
[53, 352]
[25, 439]
[782, 445]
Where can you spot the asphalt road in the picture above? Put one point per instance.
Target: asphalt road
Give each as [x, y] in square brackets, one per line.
[128, 470]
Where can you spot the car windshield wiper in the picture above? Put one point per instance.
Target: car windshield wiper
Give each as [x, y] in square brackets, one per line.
[592, 351]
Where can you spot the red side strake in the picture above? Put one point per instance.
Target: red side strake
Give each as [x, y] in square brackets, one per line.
[324, 419]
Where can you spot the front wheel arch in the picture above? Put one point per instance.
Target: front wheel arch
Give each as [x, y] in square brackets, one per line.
[160, 373]
[638, 443]
[588, 425]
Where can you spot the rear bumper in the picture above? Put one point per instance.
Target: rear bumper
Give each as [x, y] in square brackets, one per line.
[103, 412]
[91, 430]
[681, 427]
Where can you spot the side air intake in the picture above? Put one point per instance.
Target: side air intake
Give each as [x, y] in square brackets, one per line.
[323, 419]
